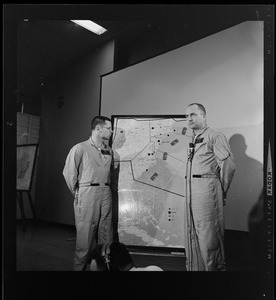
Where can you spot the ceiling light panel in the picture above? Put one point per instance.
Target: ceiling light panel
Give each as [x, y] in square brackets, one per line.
[91, 26]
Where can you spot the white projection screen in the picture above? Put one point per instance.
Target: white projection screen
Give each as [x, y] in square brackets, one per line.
[224, 72]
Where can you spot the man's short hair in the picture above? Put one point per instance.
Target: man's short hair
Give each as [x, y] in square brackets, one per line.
[119, 257]
[98, 120]
[200, 106]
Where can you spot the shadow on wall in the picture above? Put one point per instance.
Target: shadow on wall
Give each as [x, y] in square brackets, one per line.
[246, 187]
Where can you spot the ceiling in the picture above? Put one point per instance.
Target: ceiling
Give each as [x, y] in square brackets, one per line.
[46, 47]
[49, 41]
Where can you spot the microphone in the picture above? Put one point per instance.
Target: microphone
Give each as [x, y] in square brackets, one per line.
[191, 151]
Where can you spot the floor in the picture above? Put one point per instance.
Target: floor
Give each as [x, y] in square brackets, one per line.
[50, 247]
[46, 246]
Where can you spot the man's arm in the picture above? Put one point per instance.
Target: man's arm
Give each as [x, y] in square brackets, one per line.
[114, 173]
[226, 162]
[71, 169]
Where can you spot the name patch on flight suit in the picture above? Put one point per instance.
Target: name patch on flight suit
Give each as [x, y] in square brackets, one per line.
[105, 152]
[199, 140]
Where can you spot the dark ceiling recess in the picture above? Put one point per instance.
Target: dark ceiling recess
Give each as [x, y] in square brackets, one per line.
[49, 41]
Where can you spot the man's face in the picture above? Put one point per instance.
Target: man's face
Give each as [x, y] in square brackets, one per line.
[105, 130]
[196, 118]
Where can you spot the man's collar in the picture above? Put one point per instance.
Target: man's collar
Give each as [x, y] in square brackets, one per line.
[93, 143]
[201, 132]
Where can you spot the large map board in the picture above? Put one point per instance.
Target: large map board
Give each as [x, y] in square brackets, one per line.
[151, 153]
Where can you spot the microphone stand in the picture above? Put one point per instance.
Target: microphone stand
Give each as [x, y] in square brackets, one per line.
[188, 212]
[192, 237]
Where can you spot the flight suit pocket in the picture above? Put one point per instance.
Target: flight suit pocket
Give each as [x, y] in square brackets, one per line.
[207, 234]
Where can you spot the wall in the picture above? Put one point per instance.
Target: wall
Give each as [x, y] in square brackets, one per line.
[225, 73]
[70, 101]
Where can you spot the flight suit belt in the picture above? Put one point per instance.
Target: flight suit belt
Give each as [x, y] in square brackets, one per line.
[203, 176]
[94, 184]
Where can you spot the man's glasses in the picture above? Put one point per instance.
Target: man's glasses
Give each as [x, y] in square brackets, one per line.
[108, 128]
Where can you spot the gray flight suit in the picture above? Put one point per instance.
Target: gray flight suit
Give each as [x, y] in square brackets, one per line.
[87, 173]
[208, 179]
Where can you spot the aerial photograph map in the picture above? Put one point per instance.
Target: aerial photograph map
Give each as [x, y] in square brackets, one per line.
[151, 153]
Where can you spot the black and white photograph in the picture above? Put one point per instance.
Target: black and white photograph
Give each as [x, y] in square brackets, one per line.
[138, 137]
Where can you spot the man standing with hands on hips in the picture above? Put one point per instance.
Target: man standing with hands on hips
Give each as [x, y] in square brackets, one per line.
[88, 175]
[210, 170]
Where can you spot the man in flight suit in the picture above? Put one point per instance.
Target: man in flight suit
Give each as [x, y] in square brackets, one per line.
[87, 172]
[211, 171]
